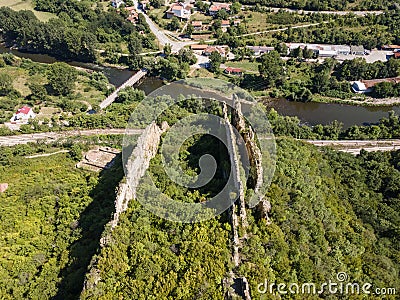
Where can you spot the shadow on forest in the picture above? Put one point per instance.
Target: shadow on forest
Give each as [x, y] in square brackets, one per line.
[91, 222]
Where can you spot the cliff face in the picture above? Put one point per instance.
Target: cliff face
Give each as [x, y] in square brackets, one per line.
[254, 153]
[138, 163]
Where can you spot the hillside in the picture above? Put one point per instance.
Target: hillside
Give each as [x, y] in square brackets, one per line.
[331, 212]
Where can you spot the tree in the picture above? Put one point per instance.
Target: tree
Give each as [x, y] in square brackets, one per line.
[134, 45]
[5, 84]
[135, 62]
[156, 3]
[189, 29]
[187, 56]
[222, 14]
[271, 68]
[236, 7]
[62, 78]
[297, 52]
[282, 49]
[167, 50]
[308, 53]
[215, 62]
[174, 24]
[38, 91]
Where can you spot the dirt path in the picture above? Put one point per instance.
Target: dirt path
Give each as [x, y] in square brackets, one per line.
[46, 154]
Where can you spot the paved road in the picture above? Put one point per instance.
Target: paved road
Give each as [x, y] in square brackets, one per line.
[340, 13]
[131, 81]
[160, 34]
[355, 146]
[52, 136]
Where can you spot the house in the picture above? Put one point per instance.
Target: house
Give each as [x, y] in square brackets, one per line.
[391, 47]
[342, 49]
[360, 88]
[225, 24]
[260, 50]
[396, 55]
[325, 50]
[357, 50]
[233, 71]
[179, 10]
[366, 86]
[198, 47]
[327, 53]
[133, 16]
[23, 115]
[211, 49]
[236, 22]
[117, 3]
[216, 7]
[197, 25]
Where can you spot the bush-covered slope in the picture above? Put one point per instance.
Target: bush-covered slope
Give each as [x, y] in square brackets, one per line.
[331, 212]
[52, 215]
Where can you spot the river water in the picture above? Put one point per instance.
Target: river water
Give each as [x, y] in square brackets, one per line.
[309, 113]
[115, 76]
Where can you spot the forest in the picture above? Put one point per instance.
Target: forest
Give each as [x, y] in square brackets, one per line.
[77, 33]
[370, 31]
[330, 212]
[326, 5]
[52, 217]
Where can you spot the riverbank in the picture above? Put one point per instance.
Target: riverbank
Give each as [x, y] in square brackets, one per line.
[364, 101]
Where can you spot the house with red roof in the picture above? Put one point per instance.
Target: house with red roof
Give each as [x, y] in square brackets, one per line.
[197, 25]
[23, 115]
[210, 49]
[233, 71]
[216, 7]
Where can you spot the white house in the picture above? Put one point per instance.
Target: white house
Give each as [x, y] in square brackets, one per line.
[260, 50]
[23, 115]
[360, 87]
[179, 10]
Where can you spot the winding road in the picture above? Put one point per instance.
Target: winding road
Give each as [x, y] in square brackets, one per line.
[160, 34]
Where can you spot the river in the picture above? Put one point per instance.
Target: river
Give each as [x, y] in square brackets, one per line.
[309, 113]
[115, 76]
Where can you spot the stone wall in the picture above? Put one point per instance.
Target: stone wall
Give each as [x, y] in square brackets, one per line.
[137, 164]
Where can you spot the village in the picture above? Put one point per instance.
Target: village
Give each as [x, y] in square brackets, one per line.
[194, 26]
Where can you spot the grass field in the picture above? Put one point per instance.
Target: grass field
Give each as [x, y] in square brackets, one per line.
[18, 5]
[246, 65]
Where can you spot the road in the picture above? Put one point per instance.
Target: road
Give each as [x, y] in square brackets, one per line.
[160, 34]
[340, 13]
[355, 146]
[53, 136]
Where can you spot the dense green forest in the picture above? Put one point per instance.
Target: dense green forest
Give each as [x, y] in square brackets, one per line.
[331, 212]
[326, 4]
[371, 31]
[77, 33]
[52, 217]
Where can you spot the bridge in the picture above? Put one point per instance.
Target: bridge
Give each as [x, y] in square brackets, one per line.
[131, 81]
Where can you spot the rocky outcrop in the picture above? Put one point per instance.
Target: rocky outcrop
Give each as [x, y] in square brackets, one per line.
[255, 156]
[137, 164]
